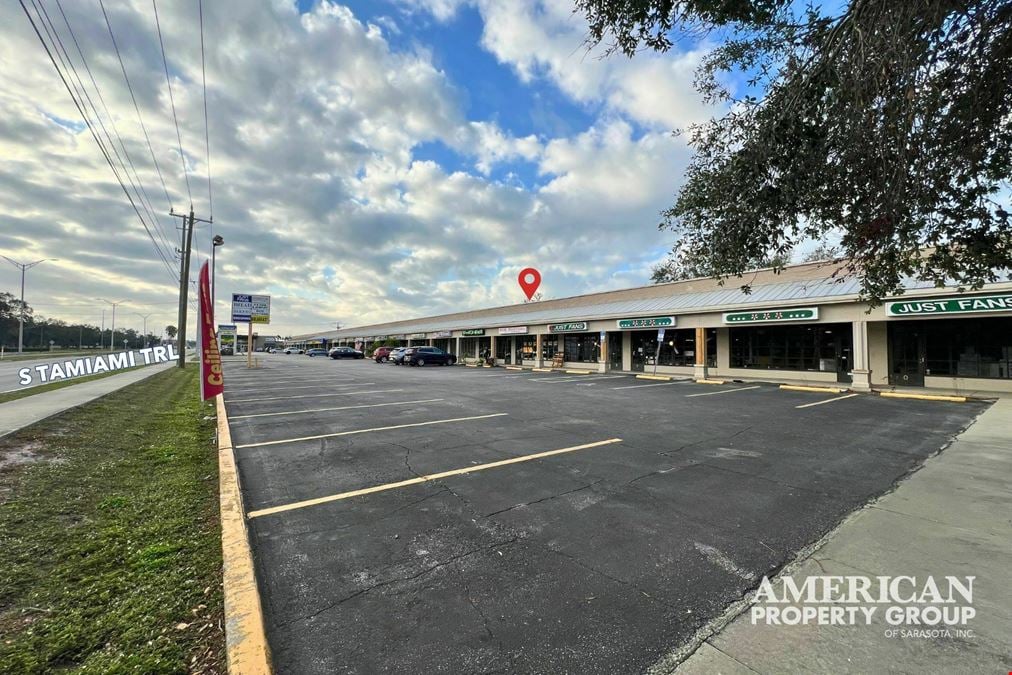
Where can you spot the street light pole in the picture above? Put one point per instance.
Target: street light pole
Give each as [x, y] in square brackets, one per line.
[217, 241]
[21, 324]
[112, 334]
[144, 330]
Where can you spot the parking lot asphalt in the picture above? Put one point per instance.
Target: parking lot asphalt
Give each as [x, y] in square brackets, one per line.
[574, 523]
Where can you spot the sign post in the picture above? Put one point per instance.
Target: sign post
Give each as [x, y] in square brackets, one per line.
[657, 354]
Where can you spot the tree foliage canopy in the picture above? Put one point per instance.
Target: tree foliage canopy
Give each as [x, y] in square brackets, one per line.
[885, 122]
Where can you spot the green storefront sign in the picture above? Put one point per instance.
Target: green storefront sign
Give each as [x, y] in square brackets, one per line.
[648, 322]
[773, 315]
[473, 332]
[932, 306]
[574, 327]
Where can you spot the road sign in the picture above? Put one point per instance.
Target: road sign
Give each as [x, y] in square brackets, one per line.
[251, 308]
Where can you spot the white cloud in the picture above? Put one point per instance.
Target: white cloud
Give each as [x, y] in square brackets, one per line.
[314, 120]
[545, 38]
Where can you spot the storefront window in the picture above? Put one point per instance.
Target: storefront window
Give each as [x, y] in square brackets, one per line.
[678, 348]
[549, 345]
[581, 347]
[528, 345]
[468, 348]
[965, 347]
[820, 347]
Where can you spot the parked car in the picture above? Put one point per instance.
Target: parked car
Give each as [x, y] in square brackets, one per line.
[345, 353]
[316, 351]
[421, 356]
[382, 354]
[294, 350]
[397, 355]
[227, 351]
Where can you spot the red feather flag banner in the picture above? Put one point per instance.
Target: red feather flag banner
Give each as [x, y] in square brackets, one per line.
[212, 380]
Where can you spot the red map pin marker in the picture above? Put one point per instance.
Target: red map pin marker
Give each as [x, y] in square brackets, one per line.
[529, 280]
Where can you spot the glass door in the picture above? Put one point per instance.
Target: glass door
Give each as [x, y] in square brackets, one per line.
[907, 354]
[615, 351]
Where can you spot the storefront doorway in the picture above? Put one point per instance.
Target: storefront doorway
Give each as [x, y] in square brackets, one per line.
[907, 355]
[614, 351]
[504, 349]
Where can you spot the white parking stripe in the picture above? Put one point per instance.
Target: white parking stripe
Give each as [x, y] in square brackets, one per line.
[659, 384]
[723, 391]
[340, 393]
[366, 431]
[346, 407]
[828, 400]
[313, 386]
[577, 378]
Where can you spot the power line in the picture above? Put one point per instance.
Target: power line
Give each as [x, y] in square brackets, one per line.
[172, 102]
[207, 132]
[144, 129]
[91, 128]
[64, 57]
[112, 120]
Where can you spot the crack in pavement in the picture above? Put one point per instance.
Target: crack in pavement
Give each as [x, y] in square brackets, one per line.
[608, 576]
[543, 499]
[363, 591]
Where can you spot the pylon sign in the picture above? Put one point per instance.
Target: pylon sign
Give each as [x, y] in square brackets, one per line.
[251, 308]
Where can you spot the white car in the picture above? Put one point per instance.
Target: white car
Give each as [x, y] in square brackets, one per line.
[293, 350]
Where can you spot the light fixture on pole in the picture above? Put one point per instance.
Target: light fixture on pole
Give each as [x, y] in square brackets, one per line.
[217, 241]
[112, 333]
[21, 323]
[144, 330]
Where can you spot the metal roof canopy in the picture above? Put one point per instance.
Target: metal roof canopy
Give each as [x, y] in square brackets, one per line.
[806, 291]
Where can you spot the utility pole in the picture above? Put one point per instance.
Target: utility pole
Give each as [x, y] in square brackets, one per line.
[184, 277]
[21, 324]
[112, 336]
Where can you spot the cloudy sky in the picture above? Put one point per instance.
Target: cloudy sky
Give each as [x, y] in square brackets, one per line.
[372, 160]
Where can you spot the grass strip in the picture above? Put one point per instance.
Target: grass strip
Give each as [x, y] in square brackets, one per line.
[110, 543]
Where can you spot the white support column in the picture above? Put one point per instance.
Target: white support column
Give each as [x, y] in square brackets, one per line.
[699, 371]
[492, 346]
[539, 362]
[860, 368]
[456, 351]
[602, 355]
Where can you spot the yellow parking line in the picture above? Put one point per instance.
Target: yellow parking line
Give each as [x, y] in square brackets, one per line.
[424, 479]
[828, 400]
[923, 397]
[722, 391]
[346, 407]
[366, 431]
[339, 393]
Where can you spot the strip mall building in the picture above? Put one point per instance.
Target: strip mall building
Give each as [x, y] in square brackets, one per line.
[800, 326]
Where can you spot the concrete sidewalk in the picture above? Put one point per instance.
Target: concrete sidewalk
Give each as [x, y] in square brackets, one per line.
[953, 517]
[28, 410]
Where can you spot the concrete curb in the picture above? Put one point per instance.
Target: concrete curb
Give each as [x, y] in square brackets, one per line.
[581, 372]
[245, 640]
[823, 390]
[541, 370]
[925, 397]
[664, 378]
[709, 381]
[513, 368]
